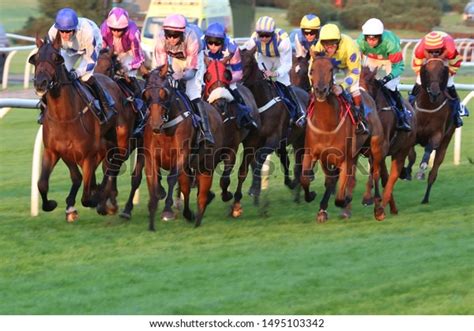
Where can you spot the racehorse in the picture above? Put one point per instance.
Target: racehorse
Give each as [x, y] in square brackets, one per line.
[299, 74]
[273, 133]
[435, 125]
[170, 144]
[330, 138]
[396, 144]
[217, 81]
[71, 131]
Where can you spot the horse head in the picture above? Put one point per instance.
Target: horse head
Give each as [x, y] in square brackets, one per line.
[49, 65]
[299, 73]
[368, 81]
[157, 94]
[434, 76]
[250, 70]
[322, 75]
[107, 63]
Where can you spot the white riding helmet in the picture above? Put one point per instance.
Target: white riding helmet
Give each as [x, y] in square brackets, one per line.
[373, 27]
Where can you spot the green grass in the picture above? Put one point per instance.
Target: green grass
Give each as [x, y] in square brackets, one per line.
[419, 262]
[14, 14]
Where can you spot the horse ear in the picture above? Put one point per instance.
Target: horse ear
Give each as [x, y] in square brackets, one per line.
[39, 41]
[253, 50]
[164, 70]
[144, 71]
[57, 41]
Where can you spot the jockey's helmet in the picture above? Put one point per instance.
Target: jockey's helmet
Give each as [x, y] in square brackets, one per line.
[66, 20]
[215, 30]
[265, 24]
[373, 27]
[175, 22]
[310, 22]
[117, 19]
[330, 32]
[434, 40]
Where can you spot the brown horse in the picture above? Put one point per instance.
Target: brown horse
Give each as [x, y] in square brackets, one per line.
[170, 144]
[435, 126]
[299, 73]
[396, 144]
[273, 134]
[71, 131]
[217, 92]
[330, 138]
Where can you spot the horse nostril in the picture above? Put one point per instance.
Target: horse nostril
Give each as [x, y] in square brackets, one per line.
[156, 130]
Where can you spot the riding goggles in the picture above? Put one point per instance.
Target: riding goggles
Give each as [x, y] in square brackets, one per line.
[172, 34]
[265, 34]
[214, 41]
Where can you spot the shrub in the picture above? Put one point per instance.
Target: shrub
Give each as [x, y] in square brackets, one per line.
[324, 9]
[354, 17]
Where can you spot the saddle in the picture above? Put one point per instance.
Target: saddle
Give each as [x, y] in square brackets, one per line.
[87, 94]
[137, 103]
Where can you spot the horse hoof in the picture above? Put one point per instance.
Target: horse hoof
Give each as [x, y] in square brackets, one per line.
[379, 214]
[322, 216]
[101, 210]
[210, 196]
[188, 215]
[367, 201]
[111, 207]
[198, 222]
[178, 204]
[310, 197]
[168, 216]
[227, 196]
[236, 210]
[420, 176]
[50, 205]
[289, 183]
[341, 203]
[125, 215]
[394, 211]
[346, 214]
[72, 216]
[254, 192]
[425, 201]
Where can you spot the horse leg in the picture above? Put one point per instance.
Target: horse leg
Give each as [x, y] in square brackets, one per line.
[185, 188]
[76, 177]
[88, 174]
[204, 185]
[367, 198]
[420, 175]
[168, 214]
[297, 169]
[346, 213]
[305, 178]
[113, 161]
[225, 178]
[49, 161]
[135, 183]
[248, 156]
[342, 198]
[260, 158]
[151, 173]
[406, 171]
[285, 162]
[395, 169]
[329, 184]
[439, 158]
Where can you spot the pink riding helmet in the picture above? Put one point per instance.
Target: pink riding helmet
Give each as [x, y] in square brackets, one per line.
[175, 22]
[118, 18]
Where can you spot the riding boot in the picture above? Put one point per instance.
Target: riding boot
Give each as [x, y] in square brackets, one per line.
[136, 88]
[358, 113]
[300, 117]
[458, 109]
[42, 105]
[246, 113]
[402, 120]
[206, 131]
[107, 111]
[414, 92]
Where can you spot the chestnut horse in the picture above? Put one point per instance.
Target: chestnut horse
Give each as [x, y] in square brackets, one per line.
[170, 144]
[331, 139]
[435, 126]
[217, 79]
[396, 144]
[72, 133]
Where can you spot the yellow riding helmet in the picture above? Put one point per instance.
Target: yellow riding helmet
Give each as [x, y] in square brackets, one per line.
[310, 22]
[330, 32]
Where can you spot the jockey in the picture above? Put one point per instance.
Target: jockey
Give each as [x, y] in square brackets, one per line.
[217, 45]
[382, 49]
[274, 59]
[345, 54]
[122, 35]
[307, 36]
[81, 39]
[181, 44]
[437, 44]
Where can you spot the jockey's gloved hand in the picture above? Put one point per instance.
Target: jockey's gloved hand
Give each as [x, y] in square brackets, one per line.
[189, 74]
[73, 75]
[386, 79]
[337, 89]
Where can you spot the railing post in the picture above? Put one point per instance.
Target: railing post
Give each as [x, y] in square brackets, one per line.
[35, 171]
[6, 69]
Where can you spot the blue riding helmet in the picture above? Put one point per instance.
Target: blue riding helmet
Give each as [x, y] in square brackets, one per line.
[66, 19]
[215, 30]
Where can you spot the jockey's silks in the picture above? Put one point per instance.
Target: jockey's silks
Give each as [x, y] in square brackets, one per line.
[270, 49]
